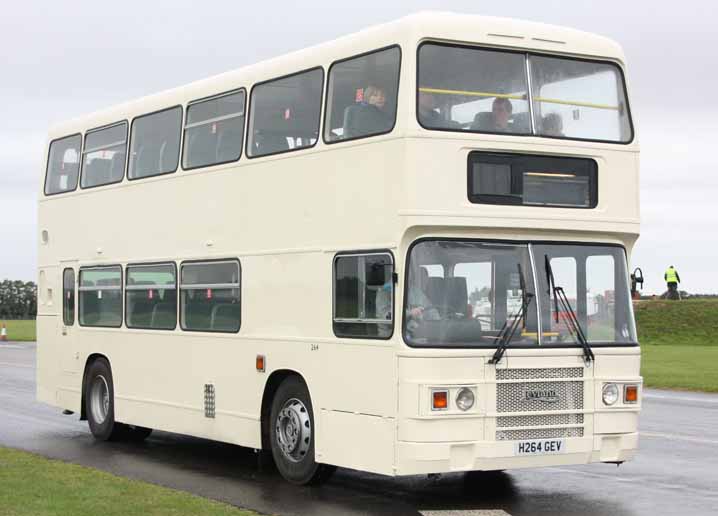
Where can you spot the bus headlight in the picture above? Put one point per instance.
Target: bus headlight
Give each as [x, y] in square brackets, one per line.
[465, 399]
[610, 394]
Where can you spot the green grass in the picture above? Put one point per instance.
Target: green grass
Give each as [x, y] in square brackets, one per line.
[32, 485]
[679, 343]
[680, 367]
[689, 322]
[20, 330]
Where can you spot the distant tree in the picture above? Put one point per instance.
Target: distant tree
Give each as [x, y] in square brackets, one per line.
[18, 299]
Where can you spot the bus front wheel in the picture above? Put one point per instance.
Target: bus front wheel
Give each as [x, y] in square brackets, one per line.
[292, 434]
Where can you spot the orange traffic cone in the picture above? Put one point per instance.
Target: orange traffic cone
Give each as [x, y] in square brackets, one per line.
[3, 333]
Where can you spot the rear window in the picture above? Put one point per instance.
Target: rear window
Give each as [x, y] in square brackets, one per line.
[63, 165]
[103, 158]
[214, 131]
[284, 113]
[155, 143]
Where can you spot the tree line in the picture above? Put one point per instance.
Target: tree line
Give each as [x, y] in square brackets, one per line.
[18, 299]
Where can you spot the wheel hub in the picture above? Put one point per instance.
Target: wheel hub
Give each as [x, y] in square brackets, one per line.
[293, 430]
[99, 399]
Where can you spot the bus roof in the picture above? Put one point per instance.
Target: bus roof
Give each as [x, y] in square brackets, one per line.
[406, 32]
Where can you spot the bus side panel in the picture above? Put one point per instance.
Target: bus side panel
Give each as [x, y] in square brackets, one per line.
[48, 350]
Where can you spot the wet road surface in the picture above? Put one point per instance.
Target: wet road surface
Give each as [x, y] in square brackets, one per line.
[676, 472]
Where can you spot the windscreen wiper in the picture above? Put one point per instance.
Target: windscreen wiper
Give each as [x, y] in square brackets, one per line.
[507, 331]
[559, 298]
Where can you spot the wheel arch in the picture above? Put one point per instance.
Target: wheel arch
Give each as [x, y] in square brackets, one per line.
[270, 388]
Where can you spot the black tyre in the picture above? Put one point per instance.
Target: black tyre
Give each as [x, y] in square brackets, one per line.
[100, 402]
[292, 434]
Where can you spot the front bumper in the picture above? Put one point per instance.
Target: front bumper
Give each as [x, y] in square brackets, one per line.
[423, 458]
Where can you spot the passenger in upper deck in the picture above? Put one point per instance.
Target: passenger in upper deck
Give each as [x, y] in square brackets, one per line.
[368, 117]
[498, 120]
[428, 115]
[552, 125]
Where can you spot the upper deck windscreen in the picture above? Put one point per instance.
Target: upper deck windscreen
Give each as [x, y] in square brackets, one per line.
[488, 91]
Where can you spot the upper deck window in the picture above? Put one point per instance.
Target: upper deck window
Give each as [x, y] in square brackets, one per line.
[103, 159]
[155, 143]
[284, 113]
[488, 91]
[63, 165]
[214, 131]
[465, 89]
[579, 99]
[361, 97]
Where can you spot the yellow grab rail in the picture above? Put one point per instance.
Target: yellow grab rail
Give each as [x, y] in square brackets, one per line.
[472, 93]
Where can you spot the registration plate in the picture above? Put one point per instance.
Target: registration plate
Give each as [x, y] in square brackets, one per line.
[539, 447]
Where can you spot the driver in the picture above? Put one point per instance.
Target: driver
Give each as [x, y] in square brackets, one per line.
[419, 306]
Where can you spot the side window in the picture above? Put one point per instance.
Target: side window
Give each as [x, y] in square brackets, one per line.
[284, 113]
[214, 130]
[364, 295]
[100, 294]
[63, 165]
[210, 297]
[155, 143]
[68, 297]
[103, 158]
[362, 96]
[151, 296]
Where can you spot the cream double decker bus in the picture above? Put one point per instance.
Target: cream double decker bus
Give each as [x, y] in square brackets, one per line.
[402, 252]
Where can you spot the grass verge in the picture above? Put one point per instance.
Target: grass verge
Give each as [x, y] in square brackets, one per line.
[680, 367]
[20, 330]
[33, 485]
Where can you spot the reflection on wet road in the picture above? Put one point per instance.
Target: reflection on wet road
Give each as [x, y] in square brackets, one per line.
[676, 472]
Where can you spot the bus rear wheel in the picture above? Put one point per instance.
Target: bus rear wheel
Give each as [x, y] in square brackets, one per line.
[100, 402]
[292, 434]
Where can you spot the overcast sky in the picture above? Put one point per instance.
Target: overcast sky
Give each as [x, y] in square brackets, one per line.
[63, 59]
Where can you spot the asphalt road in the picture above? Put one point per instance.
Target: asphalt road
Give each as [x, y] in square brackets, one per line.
[676, 472]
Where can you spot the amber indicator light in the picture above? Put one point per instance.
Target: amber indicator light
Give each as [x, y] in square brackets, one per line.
[440, 400]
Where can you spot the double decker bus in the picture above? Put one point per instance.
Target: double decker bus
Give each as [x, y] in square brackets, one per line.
[403, 252]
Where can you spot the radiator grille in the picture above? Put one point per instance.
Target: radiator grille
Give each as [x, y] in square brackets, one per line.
[539, 420]
[516, 397]
[538, 433]
[543, 373]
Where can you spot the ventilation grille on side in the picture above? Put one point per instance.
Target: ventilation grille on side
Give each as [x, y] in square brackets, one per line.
[208, 400]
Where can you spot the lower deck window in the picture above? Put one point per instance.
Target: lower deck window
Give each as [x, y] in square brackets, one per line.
[364, 295]
[101, 296]
[151, 297]
[68, 297]
[210, 296]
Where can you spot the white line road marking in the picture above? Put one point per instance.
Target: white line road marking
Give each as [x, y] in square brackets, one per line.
[11, 346]
[680, 398]
[493, 512]
[676, 437]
